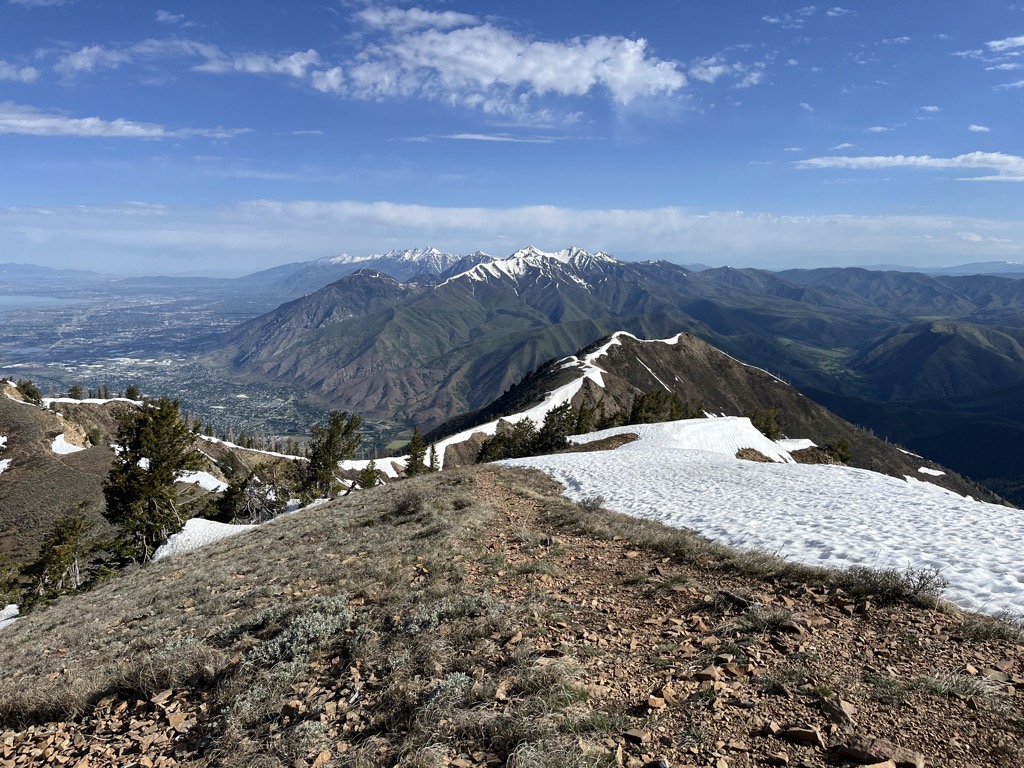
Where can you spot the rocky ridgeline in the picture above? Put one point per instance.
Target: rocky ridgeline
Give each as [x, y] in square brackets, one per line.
[671, 662]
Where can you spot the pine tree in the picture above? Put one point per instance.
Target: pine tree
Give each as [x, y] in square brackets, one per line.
[155, 444]
[254, 497]
[75, 392]
[63, 559]
[132, 392]
[553, 435]
[434, 464]
[336, 441]
[416, 450]
[369, 476]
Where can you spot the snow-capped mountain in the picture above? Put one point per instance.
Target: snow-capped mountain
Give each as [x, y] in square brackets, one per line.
[573, 263]
[411, 263]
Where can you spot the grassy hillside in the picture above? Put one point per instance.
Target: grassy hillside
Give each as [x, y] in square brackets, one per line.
[478, 618]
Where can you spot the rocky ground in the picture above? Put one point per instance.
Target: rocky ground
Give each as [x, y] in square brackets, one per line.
[638, 655]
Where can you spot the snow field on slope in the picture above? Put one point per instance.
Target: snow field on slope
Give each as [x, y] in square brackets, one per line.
[197, 533]
[62, 447]
[684, 475]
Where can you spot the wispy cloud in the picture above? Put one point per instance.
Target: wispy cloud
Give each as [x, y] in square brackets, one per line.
[450, 57]
[40, 3]
[712, 68]
[401, 21]
[1006, 44]
[978, 128]
[931, 109]
[844, 145]
[264, 233]
[173, 19]
[879, 129]
[29, 121]
[294, 65]
[500, 137]
[794, 20]
[1006, 167]
[10, 71]
[91, 58]
[805, 106]
[836, 12]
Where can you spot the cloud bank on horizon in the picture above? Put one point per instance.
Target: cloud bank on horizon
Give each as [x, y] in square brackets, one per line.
[143, 139]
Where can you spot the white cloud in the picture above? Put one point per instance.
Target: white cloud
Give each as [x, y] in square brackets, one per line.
[794, 20]
[40, 3]
[804, 105]
[896, 40]
[1006, 167]
[1006, 44]
[1006, 66]
[844, 145]
[878, 129]
[492, 69]
[711, 68]
[400, 21]
[1016, 84]
[932, 109]
[792, 149]
[294, 65]
[500, 137]
[29, 121]
[91, 58]
[836, 11]
[19, 74]
[258, 234]
[978, 128]
[165, 17]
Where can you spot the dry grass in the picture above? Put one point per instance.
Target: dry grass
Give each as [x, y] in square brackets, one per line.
[366, 603]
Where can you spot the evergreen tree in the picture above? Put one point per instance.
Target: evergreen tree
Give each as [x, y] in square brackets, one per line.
[554, 433]
[416, 450]
[839, 449]
[254, 497]
[75, 391]
[336, 441]
[434, 464]
[29, 391]
[63, 560]
[155, 444]
[368, 477]
[132, 392]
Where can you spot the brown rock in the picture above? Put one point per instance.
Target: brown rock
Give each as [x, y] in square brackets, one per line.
[637, 736]
[708, 673]
[804, 735]
[779, 758]
[838, 711]
[867, 750]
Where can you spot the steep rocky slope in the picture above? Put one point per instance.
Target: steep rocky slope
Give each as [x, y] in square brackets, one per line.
[612, 373]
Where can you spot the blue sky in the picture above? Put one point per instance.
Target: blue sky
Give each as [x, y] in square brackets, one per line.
[166, 137]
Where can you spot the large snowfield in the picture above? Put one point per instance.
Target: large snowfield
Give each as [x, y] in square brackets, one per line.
[685, 474]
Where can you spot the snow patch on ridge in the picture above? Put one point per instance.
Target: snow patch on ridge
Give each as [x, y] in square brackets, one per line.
[61, 446]
[682, 474]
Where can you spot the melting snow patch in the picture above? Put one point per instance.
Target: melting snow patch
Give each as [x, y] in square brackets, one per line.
[204, 480]
[3, 441]
[930, 471]
[815, 513]
[63, 447]
[4, 464]
[197, 533]
[8, 615]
